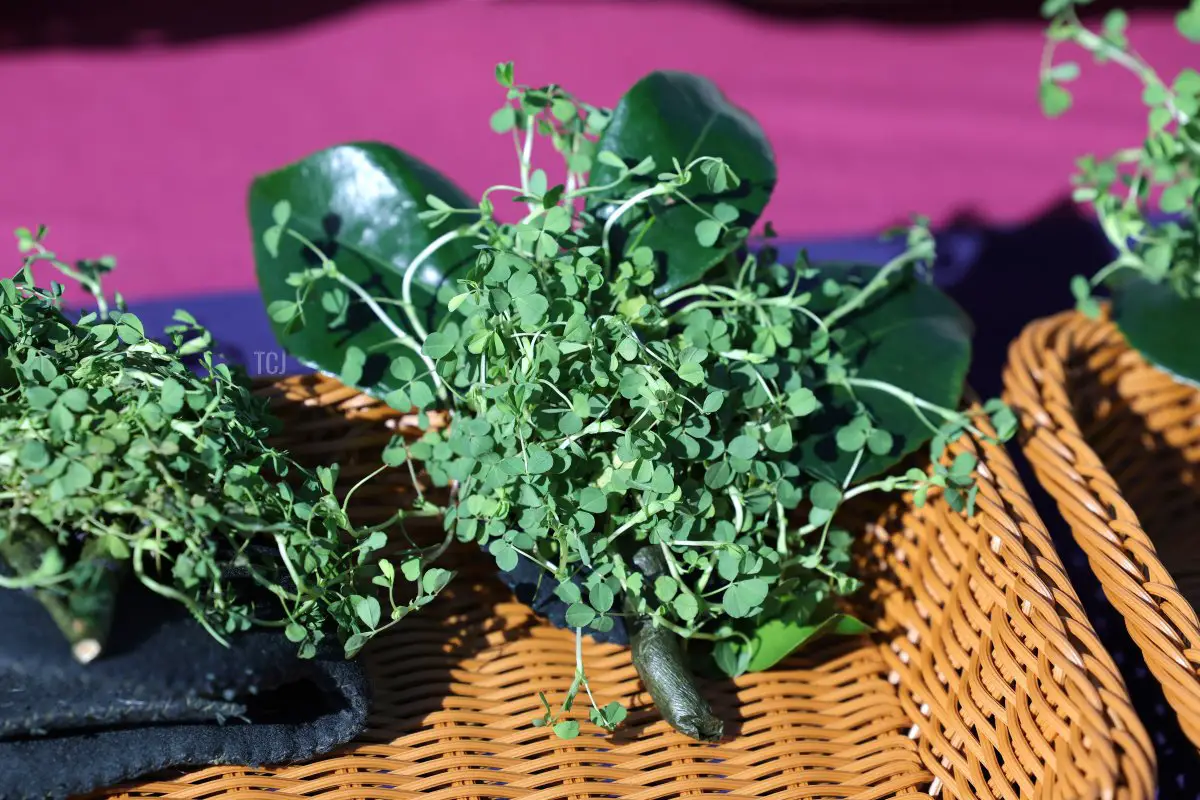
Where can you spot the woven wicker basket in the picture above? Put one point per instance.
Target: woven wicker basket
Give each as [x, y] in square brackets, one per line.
[1117, 443]
[985, 679]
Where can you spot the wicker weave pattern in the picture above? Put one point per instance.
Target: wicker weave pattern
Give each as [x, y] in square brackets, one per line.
[984, 680]
[1117, 443]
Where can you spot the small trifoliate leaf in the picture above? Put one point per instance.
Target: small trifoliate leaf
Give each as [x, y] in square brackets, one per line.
[580, 615]
[438, 345]
[503, 119]
[601, 598]
[593, 501]
[779, 438]
[1188, 22]
[686, 607]
[825, 495]
[1055, 100]
[368, 611]
[742, 598]
[504, 74]
[880, 442]
[725, 213]
[707, 232]
[505, 554]
[567, 729]
[538, 460]
[352, 366]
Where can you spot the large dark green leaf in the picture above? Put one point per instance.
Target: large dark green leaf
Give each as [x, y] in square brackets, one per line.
[1161, 325]
[775, 640]
[359, 204]
[676, 115]
[911, 336]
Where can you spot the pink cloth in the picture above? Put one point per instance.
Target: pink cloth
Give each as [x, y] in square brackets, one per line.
[147, 152]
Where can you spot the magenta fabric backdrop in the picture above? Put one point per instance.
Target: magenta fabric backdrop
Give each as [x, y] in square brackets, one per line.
[146, 152]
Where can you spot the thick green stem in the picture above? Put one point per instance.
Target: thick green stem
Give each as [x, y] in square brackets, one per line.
[83, 608]
[663, 667]
[94, 600]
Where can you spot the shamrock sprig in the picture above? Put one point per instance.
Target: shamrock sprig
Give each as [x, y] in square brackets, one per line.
[1127, 188]
[648, 451]
[116, 459]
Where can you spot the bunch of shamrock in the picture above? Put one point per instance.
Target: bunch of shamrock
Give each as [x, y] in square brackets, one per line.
[1143, 196]
[118, 461]
[663, 422]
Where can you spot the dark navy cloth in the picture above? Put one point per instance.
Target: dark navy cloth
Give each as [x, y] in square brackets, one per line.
[164, 694]
[533, 587]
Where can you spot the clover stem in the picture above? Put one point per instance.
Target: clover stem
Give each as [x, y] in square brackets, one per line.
[411, 270]
[763, 382]
[600, 426]
[636, 519]
[84, 612]
[705, 576]
[330, 269]
[1096, 44]
[876, 283]
[396, 331]
[806, 312]
[781, 540]
[297, 581]
[587, 190]
[359, 485]
[527, 159]
[171, 594]
[556, 390]
[672, 564]
[93, 286]
[738, 513]
[1103, 274]
[441, 548]
[853, 468]
[581, 676]
[644, 194]
[699, 291]
[502, 188]
[916, 403]
[412, 473]
[546, 565]
[845, 485]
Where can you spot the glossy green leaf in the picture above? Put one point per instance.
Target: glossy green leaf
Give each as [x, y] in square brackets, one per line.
[1160, 325]
[912, 336]
[359, 204]
[674, 115]
[777, 639]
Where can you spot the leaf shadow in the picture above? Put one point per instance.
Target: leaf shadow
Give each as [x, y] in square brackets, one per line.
[1155, 474]
[1016, 275]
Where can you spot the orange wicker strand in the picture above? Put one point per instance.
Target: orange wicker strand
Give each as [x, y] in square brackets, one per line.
[1117, 443]
[984, 679]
